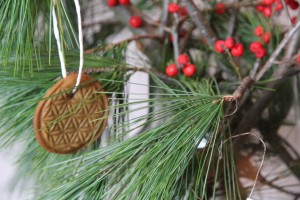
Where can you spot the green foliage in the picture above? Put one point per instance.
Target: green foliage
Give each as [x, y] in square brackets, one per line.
[153, 164]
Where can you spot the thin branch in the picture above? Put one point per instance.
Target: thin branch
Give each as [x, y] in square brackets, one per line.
[239, 92]
[184, 40]
[135, 37]
[287, 12]
[231, 24]
[175, 38]
[277, 51]
[200, 22]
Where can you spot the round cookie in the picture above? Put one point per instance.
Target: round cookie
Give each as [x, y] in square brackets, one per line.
[65, 122]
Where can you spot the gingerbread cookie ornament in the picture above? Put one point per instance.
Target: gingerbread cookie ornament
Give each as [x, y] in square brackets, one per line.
[64, 121]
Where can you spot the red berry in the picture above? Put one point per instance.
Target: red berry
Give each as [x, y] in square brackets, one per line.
[135, 22]
[294, 20]
[183, 11]
[220, 8]
[237, 50]
[268, 2]
[124, 2]
[260, 52]
[293, 4]
[229, 43]
[260, 8]
[220, 46]
[173, 8]
[183, 59]
[189, 70]
[298, 59]
[112, 3]
[254, 46]
[279, 6]
[267, 11]
[266, 37]
[171, 70]
[258, 31]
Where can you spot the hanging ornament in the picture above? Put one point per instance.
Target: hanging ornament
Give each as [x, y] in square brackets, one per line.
[65, 121]
[73, 113]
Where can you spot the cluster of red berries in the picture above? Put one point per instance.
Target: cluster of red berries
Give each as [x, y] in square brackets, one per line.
[257, 47]
[266, 6]
[134, 21]
[175, 8]
[188, 69]
[113, 3]
[229, 44]
[264, 36]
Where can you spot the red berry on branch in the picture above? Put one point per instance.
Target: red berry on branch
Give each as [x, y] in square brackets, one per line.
[220, 46]
[189, 70]
[173, 8]
[266, 37]
[298, 59]
[260, 52]
[112, 3]
[237, 50]
[183, 11]
[258, 31]
[229, 43]
[135, 22]
[254, 46]
[268, 2]
[293, 4]
[267, 11]
[171, 70]
[260, 8]
[124, 2]
[278, 6]
[220, 8]
[294, 20]
[183, 59]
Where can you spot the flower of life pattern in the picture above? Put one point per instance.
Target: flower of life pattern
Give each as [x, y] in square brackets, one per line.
[66, 122]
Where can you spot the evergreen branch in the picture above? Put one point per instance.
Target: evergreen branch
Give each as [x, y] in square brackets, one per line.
[131, 162]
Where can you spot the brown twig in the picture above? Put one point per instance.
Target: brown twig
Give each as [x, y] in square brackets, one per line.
[135, 37]
[239, 92]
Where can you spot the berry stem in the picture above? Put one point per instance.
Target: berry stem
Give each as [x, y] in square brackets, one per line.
[236, 69]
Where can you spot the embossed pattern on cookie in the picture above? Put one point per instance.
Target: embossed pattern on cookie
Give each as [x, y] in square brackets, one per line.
[65, 122]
